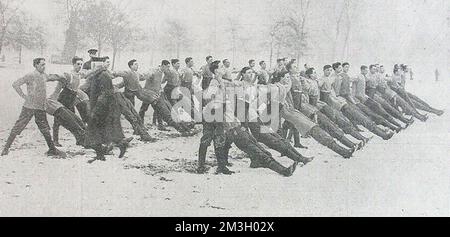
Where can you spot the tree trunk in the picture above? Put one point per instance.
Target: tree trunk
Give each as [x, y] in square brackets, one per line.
[20, 54]
[99, 47]
[70, 42]
[2, 39]
[271, 53]
[114, 58]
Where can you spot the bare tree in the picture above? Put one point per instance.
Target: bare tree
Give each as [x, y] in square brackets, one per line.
[24, 34]
[292, 27]
[176, 36]
[72, 10]
[9, 11]
[96, 22]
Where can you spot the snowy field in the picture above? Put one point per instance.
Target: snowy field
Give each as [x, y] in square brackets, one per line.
[408, 175]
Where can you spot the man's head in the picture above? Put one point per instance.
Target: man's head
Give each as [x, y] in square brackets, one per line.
[382, 70]
[280, 62]
[209, 60]
[346, 67]
[165, 66]
[92, 52]
[39, 64]
[373, 69]
[215, 67]
[133, 65]
[292, 68]
[364, 70]
[252, 63]
[106, 62]
[337, 67]
[311, 73]
[263, 65]
[189, 62]
[397, 71]
[247, 74]
[226, 63]
[327, 69]
[77, 63]
[175, 63]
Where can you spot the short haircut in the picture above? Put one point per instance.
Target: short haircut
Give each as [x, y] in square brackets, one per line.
[251, 61]
[326, 67]
[280, 60]
[372, 66]
[305, 65]
[261, 63]
[225, 60]
[165, 63]
[175, 61]
[187, 60]
[245, 69]
[363, 67]
[214, 66]
[208, 58]
[396, 70]
[336, 65]
[131, 62]
[309, 72]
[76, 59]
[105, 58]
[289, 66]
[36, 61]
[345, 64]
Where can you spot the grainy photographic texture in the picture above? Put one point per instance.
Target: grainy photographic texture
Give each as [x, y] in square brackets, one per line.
[224, 108]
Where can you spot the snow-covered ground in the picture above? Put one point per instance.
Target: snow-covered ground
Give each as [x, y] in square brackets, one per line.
[406, 176]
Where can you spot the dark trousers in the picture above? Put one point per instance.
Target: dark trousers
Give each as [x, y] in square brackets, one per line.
[129, 112]
[406, 108]
[331, 128]
[343, 123]
[71, 122]
[422, 105]
[40, 118]
[326, 140]
[378, 119]
[131, 96]
[378, 109]
[168, 89]
[391, 109]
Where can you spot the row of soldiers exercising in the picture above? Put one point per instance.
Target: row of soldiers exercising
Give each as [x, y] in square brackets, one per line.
[216, 131]
[66, 95]
[380, 107]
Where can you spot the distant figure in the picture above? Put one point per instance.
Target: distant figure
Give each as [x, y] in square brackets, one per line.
[92, 53]
[436, 74]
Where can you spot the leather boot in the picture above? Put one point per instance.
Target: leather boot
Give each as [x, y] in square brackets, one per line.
[347, 154]
[123, 146]
[100, 152]
[202, 159]
[221, 161]
[386, 136]
[8, 144]
[280, 169]
[56, 136]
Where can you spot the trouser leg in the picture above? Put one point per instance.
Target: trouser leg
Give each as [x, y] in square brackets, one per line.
[326, 140]
[378, 119]
[143, 110]
[364, 121]
[83, 109]
[408, 109]
[343, 123]
[69, 121]
[328, 126]
[56, 125]
[392, 110]
[40, 118]
[377, 108]
[24, 118]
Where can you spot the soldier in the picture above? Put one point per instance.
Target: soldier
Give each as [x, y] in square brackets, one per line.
[130, 81]
[35, 106]
[105, 126]
[214, 131]
[92, 54]
[345, 92]
[151, 95]
[68, 120]
[263, 75]
[327, 95]
[66, 93]
[311, 87]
